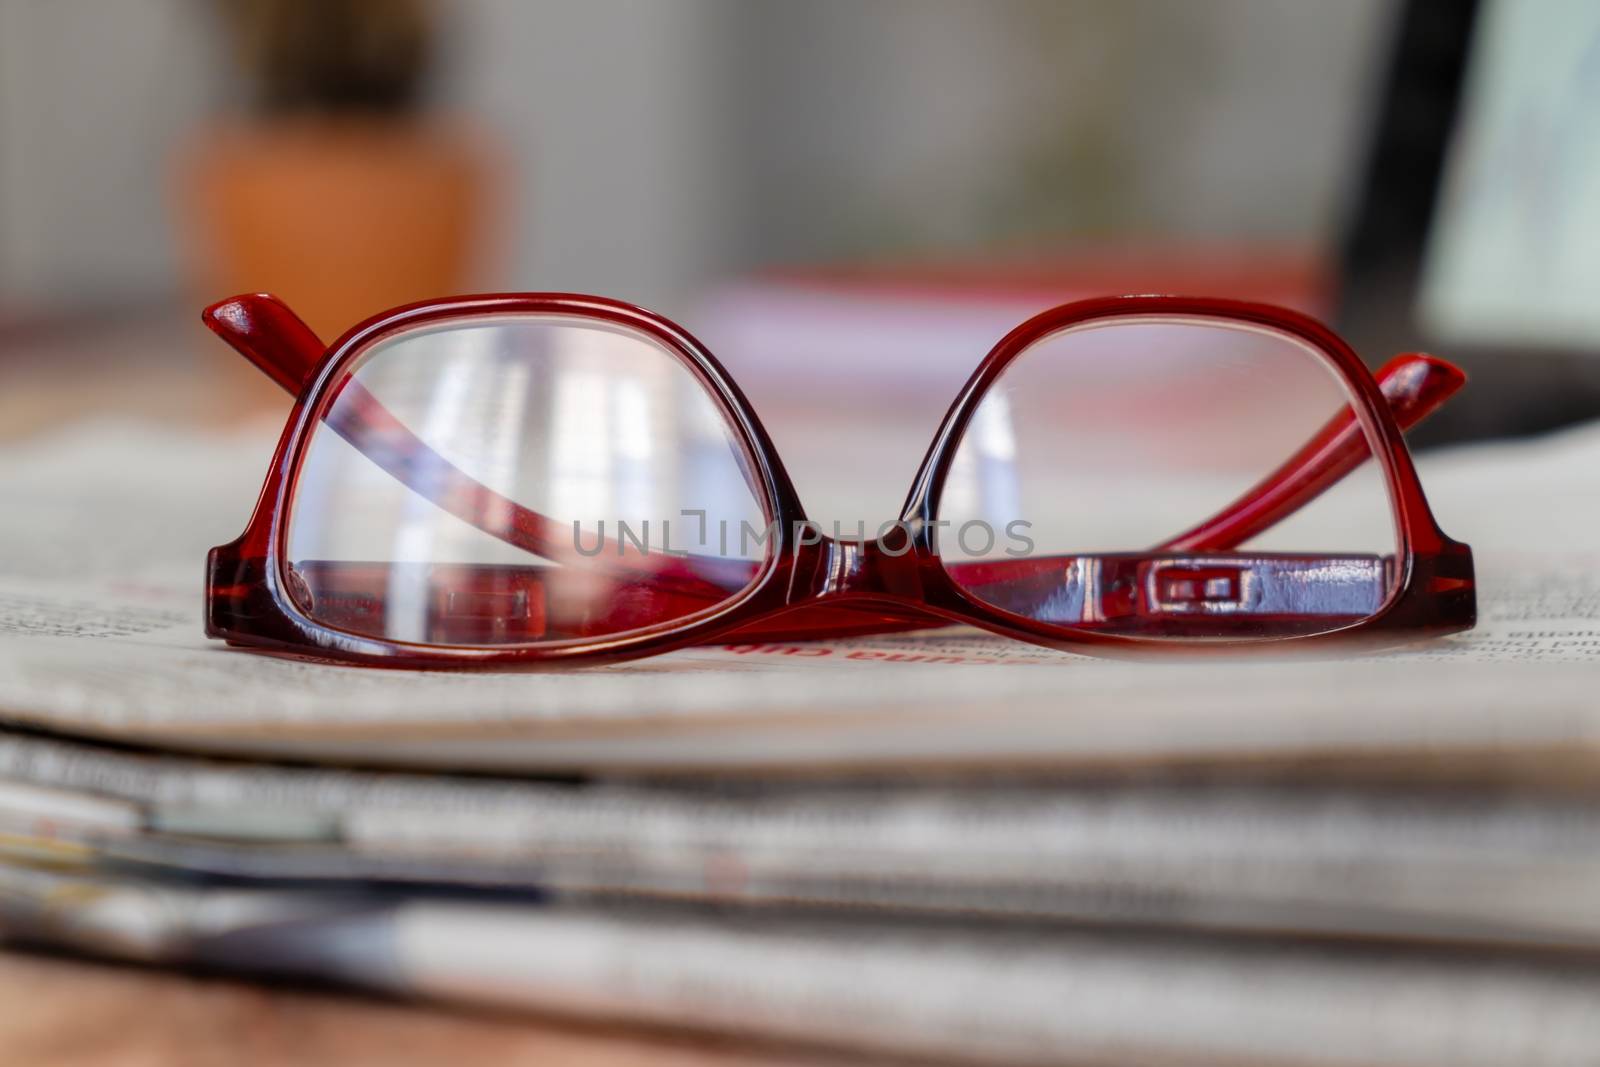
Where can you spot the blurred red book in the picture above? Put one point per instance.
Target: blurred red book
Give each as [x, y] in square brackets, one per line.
[926, 325]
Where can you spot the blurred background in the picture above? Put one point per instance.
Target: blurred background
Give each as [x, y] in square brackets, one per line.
[839, 196]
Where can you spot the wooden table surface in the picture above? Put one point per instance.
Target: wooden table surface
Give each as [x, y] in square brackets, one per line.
[57, 1012]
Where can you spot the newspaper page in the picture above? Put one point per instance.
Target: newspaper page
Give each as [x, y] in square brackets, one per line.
[106, 642]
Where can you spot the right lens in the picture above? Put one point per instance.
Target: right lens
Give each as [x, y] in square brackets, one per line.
[521, 480]
[1086, 490]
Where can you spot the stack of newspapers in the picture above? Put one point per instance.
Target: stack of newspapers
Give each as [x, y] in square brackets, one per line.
[939, 846]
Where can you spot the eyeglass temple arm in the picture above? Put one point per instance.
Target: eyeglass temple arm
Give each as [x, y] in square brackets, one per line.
[263, 330]
[1415, 385]
[272, 337]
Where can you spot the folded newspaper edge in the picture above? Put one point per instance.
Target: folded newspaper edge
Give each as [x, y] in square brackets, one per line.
[1513, 866]
[1015, 995]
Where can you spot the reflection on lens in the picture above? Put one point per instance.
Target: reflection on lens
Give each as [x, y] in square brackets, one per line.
[1123, 464]
[520, 480]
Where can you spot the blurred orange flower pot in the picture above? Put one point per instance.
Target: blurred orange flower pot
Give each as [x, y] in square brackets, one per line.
[342, 217]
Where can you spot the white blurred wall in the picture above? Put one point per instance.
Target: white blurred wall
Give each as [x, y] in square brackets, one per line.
[661, 144]
[615, 113]
[93, 97]
[948, 121]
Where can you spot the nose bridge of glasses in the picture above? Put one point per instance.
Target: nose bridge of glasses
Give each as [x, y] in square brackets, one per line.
[880, 568]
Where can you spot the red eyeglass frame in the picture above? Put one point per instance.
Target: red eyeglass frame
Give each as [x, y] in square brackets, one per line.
[828, 588]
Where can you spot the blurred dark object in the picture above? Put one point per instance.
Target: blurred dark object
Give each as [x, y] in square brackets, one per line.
[1516, 390]
[336, 192]
[332, 57]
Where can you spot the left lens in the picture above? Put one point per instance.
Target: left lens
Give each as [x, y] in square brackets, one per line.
[1119, 475]
[521, 480]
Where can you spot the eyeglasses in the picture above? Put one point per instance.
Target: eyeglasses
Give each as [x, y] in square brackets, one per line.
[550, 478]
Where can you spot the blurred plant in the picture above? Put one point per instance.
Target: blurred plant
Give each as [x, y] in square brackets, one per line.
[332, 57]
